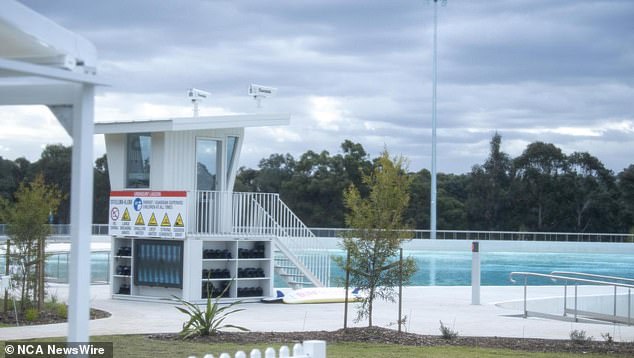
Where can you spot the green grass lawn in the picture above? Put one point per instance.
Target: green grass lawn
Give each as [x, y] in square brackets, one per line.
[141, 346]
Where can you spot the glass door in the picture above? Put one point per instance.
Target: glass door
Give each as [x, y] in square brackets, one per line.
[208, 183]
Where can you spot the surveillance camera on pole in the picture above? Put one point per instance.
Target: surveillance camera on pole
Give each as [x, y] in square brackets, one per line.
[196, 95]
[258, 92]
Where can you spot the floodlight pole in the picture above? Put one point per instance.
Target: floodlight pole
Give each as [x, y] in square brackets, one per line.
[432, 233]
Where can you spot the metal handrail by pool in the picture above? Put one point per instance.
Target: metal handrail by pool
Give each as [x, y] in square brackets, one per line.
[576, 280]
[583, 274]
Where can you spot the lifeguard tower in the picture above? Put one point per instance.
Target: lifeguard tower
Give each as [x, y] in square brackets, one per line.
[177, 227]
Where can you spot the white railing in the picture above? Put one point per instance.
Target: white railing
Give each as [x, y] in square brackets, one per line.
[220, 213]
[61, 232]
[569, 276]
[498, 235]
[309, 349]
[302, 257]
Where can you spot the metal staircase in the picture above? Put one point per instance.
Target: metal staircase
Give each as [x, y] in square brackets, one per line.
[300, 258]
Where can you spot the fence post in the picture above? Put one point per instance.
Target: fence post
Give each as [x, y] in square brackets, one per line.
[565, 297]
[525, 284]
[576, 320]
[298, 350]
[269, 353]
[400, 290]
[615, 303]
[315, 349]
[345, 304]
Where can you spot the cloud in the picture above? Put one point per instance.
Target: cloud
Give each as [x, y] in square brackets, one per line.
[361, 70]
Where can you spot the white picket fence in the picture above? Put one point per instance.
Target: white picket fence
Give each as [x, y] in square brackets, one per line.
[307, 349]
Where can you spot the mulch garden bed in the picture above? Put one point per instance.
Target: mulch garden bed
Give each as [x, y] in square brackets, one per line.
[45, 317]
[389, 336]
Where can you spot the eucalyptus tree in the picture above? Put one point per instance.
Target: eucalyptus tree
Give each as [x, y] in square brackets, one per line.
[377, 232]
[537, 186]
[626, 197]
[592, 195]
[489, 190]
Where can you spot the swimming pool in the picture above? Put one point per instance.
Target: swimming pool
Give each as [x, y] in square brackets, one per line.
[57, 267]
[435, 268]
[453, 268]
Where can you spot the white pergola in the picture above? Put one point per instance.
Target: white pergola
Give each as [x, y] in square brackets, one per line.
[41, 63]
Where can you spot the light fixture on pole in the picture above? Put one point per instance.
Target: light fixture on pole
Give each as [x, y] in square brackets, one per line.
[432, 233]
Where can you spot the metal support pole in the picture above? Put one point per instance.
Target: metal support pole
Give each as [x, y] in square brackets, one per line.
[433, 129]
[629, 306]
[576, 320]
[525, 284]
[614, 303]
[345, 305]
[565, 297]
[400, 290]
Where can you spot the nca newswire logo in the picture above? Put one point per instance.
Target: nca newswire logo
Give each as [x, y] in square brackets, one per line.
[58, 349]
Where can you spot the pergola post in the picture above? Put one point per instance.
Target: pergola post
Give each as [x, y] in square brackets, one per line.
[81, 214]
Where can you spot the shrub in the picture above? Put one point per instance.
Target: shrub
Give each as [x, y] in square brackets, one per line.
[447, 333]
[62, 310]
[31, 314]
[209, 321]
[579, 336]
[607, 337]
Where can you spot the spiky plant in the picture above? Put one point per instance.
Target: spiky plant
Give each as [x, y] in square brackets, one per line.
[210, 320]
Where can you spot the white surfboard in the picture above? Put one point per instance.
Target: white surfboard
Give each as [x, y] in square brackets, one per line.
[322, 295]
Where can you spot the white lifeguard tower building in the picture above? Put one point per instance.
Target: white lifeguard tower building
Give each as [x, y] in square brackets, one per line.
[178, 228]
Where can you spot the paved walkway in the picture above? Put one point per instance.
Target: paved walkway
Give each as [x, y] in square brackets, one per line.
[424, 307]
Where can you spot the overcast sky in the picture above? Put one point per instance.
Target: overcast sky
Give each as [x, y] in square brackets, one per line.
[533, 70]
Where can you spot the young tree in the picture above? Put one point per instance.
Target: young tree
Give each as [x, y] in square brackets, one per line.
[27, 228]
[377, 233]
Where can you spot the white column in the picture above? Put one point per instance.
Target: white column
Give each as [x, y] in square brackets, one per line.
[475, 273]
[81, 214]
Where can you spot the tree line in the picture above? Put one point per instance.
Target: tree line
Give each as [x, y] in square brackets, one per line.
[54, 167]
[542, 189]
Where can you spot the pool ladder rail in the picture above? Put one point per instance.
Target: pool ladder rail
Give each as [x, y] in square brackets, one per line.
[587, 278]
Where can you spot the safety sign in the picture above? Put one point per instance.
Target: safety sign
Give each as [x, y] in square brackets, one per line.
[135, 213]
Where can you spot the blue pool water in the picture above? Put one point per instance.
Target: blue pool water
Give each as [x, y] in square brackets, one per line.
[435, 268]
[451, 268]
[57, 267]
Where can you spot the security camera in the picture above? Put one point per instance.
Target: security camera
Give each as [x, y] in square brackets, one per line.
[195, 94]
[258, 91]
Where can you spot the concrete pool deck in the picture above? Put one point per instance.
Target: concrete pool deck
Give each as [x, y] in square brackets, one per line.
[424, 307]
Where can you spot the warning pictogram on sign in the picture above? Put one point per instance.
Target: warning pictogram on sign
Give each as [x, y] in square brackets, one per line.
[152, 221]
[126, 215]
[179, 221]
[114, 214]
[139, 220]
[166, 221]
